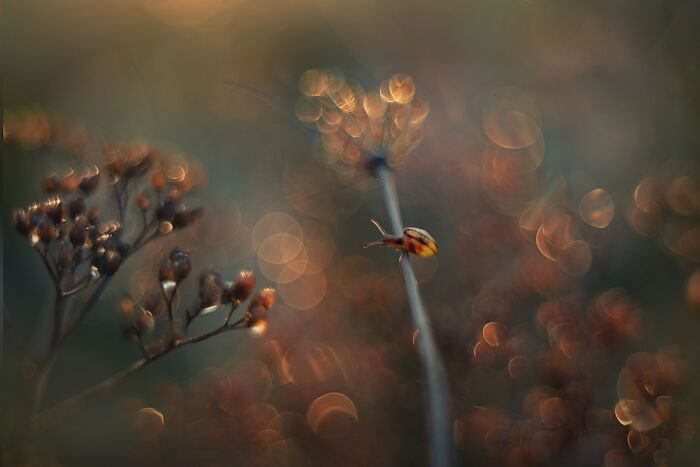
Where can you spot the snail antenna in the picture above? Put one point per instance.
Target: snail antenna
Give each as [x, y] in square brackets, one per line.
[379, 227]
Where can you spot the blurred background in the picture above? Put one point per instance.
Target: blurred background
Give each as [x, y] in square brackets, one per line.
[557, 168]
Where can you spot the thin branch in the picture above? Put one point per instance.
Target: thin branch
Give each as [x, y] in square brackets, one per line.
[53, 416]
[439, 419]
[142, 347]
[102, 284]
[45, 259]
[118, 199]
[234, 305]
[85, 283]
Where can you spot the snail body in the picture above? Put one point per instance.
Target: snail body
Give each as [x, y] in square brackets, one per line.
[413, 240]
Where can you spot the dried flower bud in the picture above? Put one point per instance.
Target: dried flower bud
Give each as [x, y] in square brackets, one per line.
[168, 210]
[151, 301]
[77, 207]
[158, 180]
[143, 201]
[93, 215]
[107, 261]
[243, 286]
[89, 184]
[141, 165]
[209, 289]
[181, 219]
[70, 182]
[22, 221]
[166, 272]
[52, 184]
[144, 320]
[46, 230]
[265, 298]
[181, 264]
[55, 211]
[64, 254]
[116, 164]
[126, 307]
[79, 231]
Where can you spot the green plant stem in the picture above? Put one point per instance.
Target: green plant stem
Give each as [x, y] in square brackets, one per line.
[59, 412]
[439, 419]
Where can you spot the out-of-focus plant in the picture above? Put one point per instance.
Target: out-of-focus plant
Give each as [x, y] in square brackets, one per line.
[82, 252]
[378, 130]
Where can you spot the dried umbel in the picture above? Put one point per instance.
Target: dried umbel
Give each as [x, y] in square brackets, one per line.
[81, 247]
[213, 291]
[357, 125]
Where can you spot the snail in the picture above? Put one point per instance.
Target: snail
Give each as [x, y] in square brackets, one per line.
[413, 240]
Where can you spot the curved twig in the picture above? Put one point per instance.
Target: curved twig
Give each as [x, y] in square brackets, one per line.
[59, 412]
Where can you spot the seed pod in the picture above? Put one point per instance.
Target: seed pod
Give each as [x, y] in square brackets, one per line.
[77, 207]
[144, 320]
[158, 180]
[52, 184]
[209, 289]
[46, 230]
[166, 272]
[107, 261]
[116, 166]
[143, 201]
[243, 286]
[168, 210]
[89, 184]
[56, 211]
[181, 219]
[151, 301]
[70, 182]
[22, 221]
[126, 307]
[140, 166]
[265, 297]
[79, 231]
[181, 264]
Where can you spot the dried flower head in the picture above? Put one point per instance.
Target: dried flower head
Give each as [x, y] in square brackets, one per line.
[77, 207]
[210, 289]
[52, 184]
[181, 265]
[243, 286]
[143, 201]
[107, 261]
[79, 231]
[263, 300]
[22, 221]
[89, 183]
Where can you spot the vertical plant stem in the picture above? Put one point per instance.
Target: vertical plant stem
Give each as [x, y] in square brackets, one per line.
[44, 364]
[437, 393]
